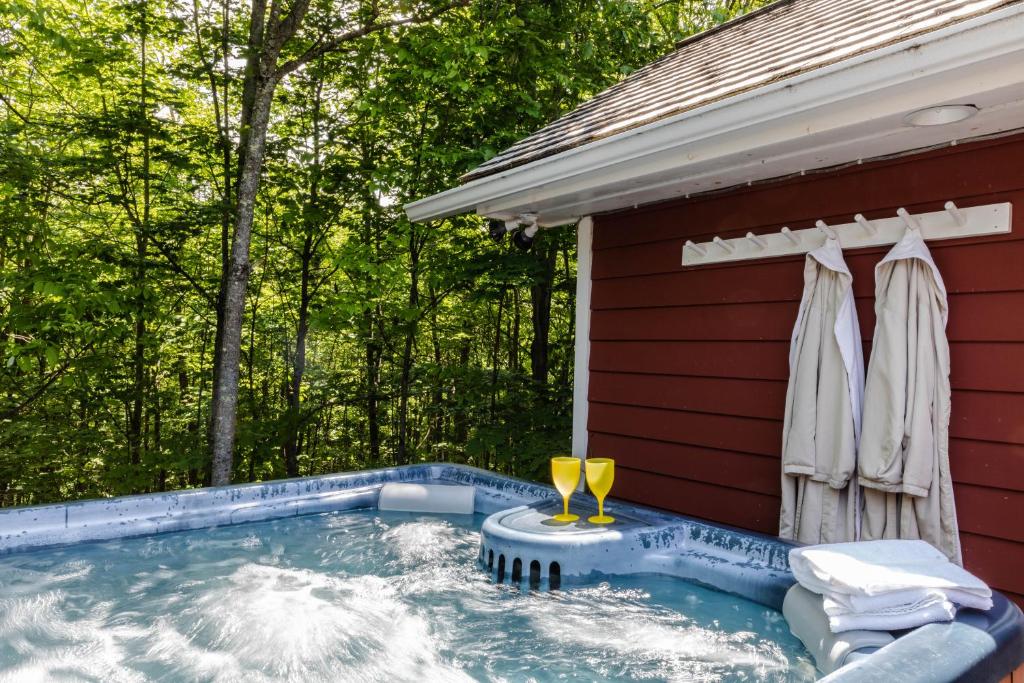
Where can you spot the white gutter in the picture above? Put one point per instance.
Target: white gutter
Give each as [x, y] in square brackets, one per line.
[987, 37]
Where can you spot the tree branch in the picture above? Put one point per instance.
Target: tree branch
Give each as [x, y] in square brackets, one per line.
[174, 265]
[324, 45]
[14, 111]
[13, 411]
[289, 25]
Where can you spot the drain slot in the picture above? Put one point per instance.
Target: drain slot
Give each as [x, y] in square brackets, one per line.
[534, 575]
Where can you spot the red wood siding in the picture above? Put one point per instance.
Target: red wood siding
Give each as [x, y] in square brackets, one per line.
[688, 367]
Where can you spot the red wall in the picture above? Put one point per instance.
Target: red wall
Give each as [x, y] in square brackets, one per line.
[688, 366]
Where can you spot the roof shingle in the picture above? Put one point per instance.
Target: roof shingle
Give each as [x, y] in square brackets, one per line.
[779, 41]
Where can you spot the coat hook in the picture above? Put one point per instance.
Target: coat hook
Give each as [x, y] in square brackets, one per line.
[829, 232]
[701, 251]
[869, 227]
[791, 236]
[908, 220]
[723, 244]
[956, 213]
[759, 241]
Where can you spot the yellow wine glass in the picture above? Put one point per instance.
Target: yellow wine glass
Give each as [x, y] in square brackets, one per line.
[565, 472]
[600, 475]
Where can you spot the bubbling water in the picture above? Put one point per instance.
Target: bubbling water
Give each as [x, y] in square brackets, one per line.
[359, 596]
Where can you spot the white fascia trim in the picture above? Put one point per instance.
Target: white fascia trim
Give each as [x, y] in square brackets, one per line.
[961, 44]
[581, 365]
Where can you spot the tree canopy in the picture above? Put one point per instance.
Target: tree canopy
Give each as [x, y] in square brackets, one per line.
[127, 134]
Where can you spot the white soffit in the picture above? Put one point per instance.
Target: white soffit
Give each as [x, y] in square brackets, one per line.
[849, 111]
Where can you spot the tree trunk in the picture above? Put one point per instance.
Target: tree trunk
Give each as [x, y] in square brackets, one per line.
[461, 423]
[141, 246]
[513, 340]
[372, 380]
[495, 351]
[540, 298]
[569, 353]
[224, 405]
[265, 42]
[138, 357]
[192, 477]
[437, 421]
[402, 457]
[373, 337]
[161, 482]
[293, 415]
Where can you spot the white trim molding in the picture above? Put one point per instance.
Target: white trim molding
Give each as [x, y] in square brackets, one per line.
[845, 112]
[581, 364]
[950, 223]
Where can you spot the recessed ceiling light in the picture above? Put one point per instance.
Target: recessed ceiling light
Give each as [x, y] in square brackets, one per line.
[940, 115]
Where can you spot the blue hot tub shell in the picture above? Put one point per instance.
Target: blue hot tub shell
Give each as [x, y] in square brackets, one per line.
[977, 646]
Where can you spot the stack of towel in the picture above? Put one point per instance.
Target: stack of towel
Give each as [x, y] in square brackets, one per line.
[886, 585]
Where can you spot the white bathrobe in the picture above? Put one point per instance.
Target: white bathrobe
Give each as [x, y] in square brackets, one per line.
[904, 448]
[823, 406]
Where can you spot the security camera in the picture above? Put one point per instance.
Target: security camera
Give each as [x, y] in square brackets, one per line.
[524, 238]
[497, 228]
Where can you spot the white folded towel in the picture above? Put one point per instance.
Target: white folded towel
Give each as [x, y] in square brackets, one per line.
[886, 585]
[893, 619]
[842, 603]
[872, 568]
[933, 606]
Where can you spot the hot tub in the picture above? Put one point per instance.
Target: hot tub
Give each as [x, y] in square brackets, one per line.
[305, 579]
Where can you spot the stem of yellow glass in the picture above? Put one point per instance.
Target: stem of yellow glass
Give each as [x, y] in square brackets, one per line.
[600, 506]
[565, 505]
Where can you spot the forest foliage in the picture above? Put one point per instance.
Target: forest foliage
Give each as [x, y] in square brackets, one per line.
[365, 340]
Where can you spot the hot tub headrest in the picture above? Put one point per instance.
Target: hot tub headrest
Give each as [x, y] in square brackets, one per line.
[436, 498]
[808, 622]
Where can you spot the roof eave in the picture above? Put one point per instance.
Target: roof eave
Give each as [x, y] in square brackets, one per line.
[626, 156]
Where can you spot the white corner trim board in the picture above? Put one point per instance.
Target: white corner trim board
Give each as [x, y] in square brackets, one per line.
[581, 366]
[950, 223]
